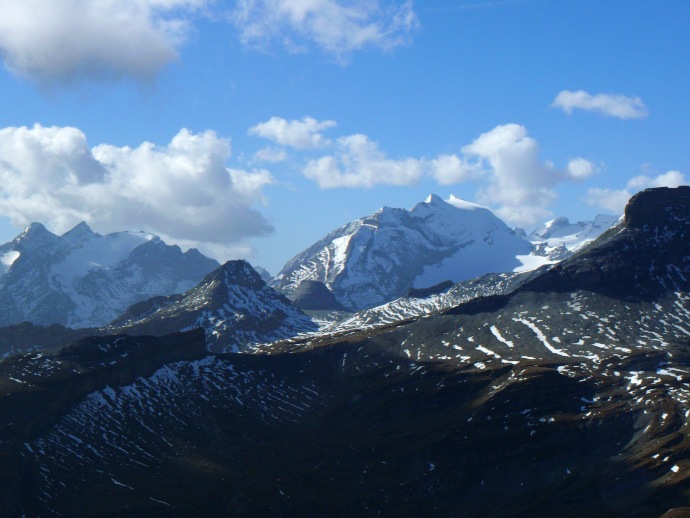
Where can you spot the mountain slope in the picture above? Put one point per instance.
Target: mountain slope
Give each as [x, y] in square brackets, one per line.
[566, 394]
[627, 291]
[232, 303]
[380, 257]
[84, 279]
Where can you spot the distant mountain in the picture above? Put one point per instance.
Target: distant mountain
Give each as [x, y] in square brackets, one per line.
[263, 273]
[558, 239]
[315, 296]
[573, 235]
[84, 279]
[378, 258]
[232, 304]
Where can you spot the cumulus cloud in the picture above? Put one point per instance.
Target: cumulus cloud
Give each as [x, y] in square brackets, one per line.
[299, 134]
[270, 154]
[615, 200]
[613, 105]
[517, 182]
[450, 169]
[337, 27]
[504, 161]
[92, 39]
[182, 190]
[70, 41]
[358, 162]
[580, 168]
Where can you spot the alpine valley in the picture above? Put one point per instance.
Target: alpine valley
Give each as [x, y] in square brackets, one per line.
[430, 362]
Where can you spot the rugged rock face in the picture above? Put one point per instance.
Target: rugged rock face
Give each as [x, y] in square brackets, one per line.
[420, 293]
[378, 258]
[84, 279]
[315, 296]
[232, 304]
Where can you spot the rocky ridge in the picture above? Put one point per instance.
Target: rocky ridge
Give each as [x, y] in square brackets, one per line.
[232, 304]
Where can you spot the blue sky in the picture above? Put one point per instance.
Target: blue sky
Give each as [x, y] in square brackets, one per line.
[251, 128]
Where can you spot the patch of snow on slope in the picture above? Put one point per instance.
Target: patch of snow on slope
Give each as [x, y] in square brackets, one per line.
[531, 262]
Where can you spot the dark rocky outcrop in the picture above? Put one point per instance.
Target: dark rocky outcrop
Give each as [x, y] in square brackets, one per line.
[420, 293]
[26, 337]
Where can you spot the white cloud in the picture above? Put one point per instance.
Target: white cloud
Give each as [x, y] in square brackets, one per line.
[580, 169]
[68, 41]
[49, 41]
[668, 179]
[270, 154]
[182, 190]
[450, 169]
[615, 200]
[517, 183]
[613, 105]
[504, 161]
[299, 134]
[337, 27]
[358, 162]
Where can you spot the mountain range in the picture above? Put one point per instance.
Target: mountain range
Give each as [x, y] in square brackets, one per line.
[563, 390]
[84, 279]
[379, 258]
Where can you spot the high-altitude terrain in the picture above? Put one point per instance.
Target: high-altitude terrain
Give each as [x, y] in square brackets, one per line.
[84, 279]
[565, 391]
[379, 258]
[376, 259]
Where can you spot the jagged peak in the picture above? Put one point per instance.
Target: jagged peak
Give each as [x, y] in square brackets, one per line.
[433, 199]
[239, 272]
[561, 220]
[35, 227]
[35, 231]
[82, 230]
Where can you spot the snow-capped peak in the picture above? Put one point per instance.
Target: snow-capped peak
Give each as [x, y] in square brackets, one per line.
[432, 199]
[81, 230]
[84, 279]
[560, 231]
[380, 257]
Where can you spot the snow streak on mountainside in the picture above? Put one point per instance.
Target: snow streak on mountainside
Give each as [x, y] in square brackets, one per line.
[232, 304]
[376, 259]
[411, 307]
[84, 279]
[626, 293]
